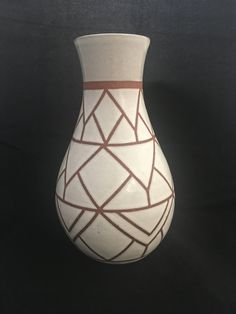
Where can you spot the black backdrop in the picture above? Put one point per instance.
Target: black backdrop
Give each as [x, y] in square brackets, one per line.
[190, 95]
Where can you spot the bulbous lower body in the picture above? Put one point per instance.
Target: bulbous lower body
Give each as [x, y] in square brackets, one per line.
[115, 193]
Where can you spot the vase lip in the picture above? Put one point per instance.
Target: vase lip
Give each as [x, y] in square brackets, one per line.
[112, 34]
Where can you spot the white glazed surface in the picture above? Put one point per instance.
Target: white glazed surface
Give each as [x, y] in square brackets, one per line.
[111, 57]
[115, 193]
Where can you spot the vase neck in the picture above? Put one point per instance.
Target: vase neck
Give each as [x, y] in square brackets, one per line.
[112, 57]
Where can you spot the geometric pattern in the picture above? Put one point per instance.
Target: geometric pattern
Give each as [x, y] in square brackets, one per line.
[114, 194]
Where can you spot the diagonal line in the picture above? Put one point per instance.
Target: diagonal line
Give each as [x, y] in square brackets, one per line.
[136, 118]
[151, 174]
[59, 177]
[77, 123]
[85, 243]
[164, 179]
[95, 107]
[114, 128]
[82, 132]
[133, 224]
[162, 235]
[145, 124]
[126, 167]
[116, 191]
[160, 219]
[163, 214]
[153, 161]
[137, 209]
[76, 220]
[65, 184]
[76, 206]
[85, 227]
[85, 163]
[144, 251]
[121, 252]
[59, 212]
[99, 127]
[83, 110]
[122, 231]
[87, 192]
[163, 222]
[142, 229]
[119, 107]
[83, 127]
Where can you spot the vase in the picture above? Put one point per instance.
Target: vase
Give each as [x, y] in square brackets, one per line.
[114, 192]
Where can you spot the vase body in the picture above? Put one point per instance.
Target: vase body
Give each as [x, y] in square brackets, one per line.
[114, 193]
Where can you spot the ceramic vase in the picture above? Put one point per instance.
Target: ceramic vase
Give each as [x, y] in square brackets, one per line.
[114, 192]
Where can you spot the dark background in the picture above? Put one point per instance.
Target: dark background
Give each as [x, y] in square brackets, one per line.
[190, 93]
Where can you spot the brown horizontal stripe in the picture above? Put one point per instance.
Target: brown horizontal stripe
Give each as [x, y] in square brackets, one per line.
[112, 84]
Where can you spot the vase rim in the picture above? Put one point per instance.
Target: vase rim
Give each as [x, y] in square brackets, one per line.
[112, 34]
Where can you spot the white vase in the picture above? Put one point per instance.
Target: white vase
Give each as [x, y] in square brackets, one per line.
[114, 193]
